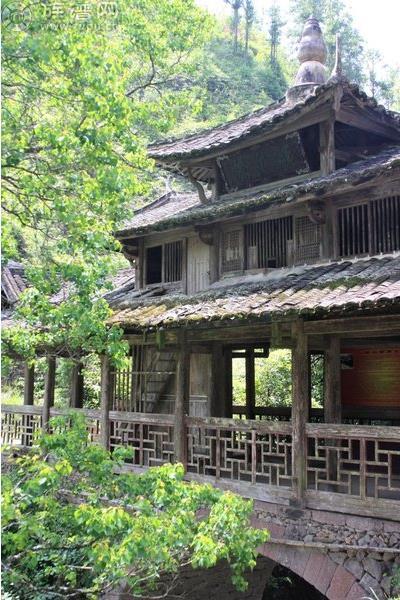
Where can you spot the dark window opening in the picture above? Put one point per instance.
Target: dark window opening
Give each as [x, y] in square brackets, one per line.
[266, 243]
[164, 263]
[353, 230]
[154, 265]
[371, 227]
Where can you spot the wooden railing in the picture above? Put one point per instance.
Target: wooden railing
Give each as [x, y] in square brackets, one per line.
[351, 415]
[348, 468]
[151, 437]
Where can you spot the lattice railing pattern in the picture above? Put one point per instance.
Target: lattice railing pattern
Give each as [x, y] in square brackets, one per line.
[151, 437]
[354, 464]
[236, 451]
[19, 425]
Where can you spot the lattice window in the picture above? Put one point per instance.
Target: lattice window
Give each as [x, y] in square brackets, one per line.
[266, 243]
[353, 223]
[164, 263]
[385, 218]
[173, 262]
[232, 252]
[307, 240]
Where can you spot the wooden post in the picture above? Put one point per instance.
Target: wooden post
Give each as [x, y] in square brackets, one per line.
[250, 384]
[332, 391]
[327, 146]
[76, 389]
[300, 408]
[105, 400]
[332, 400]
[29, 383]
[49, 387]
[181, 401]
[218, 399]
[228, 383]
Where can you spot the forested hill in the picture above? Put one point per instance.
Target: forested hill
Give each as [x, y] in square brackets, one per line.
[250, 61]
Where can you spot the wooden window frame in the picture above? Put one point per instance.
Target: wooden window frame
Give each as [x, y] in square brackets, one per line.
[163, 282]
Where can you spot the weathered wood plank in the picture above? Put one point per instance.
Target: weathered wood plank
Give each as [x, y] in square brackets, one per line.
[24, 409]
[380, 509]
[238, 425]
[181, 401]
[105, 400]
[300, 407]
[29, 384]
[346, 326]
[49, 388]
[372, 432]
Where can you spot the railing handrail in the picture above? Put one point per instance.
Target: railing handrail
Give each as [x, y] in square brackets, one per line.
[388, 432]
[146, 418]
[24, 409]
[238, 425]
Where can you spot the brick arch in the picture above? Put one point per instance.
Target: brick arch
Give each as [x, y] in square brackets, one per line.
[318, 569]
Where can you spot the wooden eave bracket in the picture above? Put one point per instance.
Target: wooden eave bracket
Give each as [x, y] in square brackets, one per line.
[200, 190]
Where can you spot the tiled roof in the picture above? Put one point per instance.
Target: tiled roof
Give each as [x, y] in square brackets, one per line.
[13, 282]
[178, 209]
[259, 121]
[167, 206]
[334, 288]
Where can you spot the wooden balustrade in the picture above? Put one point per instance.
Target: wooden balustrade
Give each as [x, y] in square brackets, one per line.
[348, 468]
[151, 437]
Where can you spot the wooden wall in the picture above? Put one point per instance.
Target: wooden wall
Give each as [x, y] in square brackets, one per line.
[371, 376]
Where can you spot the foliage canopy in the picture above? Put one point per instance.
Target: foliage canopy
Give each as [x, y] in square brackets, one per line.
[73, 528]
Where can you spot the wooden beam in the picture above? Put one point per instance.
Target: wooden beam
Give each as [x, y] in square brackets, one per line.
[49, 387]
[367, 122]
[382, 324]
[76, 386]
[327, 146]
[29, 384]
[105, 401]
[300, 408]
[182, 401]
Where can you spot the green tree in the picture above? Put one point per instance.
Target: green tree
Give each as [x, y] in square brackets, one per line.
[73, 528]
[335, 18]
[274, 32]
[236, 5]
[81, 98]
[249, 17]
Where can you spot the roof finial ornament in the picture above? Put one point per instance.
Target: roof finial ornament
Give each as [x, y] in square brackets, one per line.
[312, 55]
[337, 72]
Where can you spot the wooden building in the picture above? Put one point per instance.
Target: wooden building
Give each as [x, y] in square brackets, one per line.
[290, 239]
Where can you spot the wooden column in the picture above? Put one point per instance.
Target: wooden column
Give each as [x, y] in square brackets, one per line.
[332, 383]
[29, 384]
[228, 382]
[250, 384]
[327, 146]
[76, 389]
[49, 387]
[218, 392]
[181, 401]
[332, 401]
[105, 401]
[300, 407]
